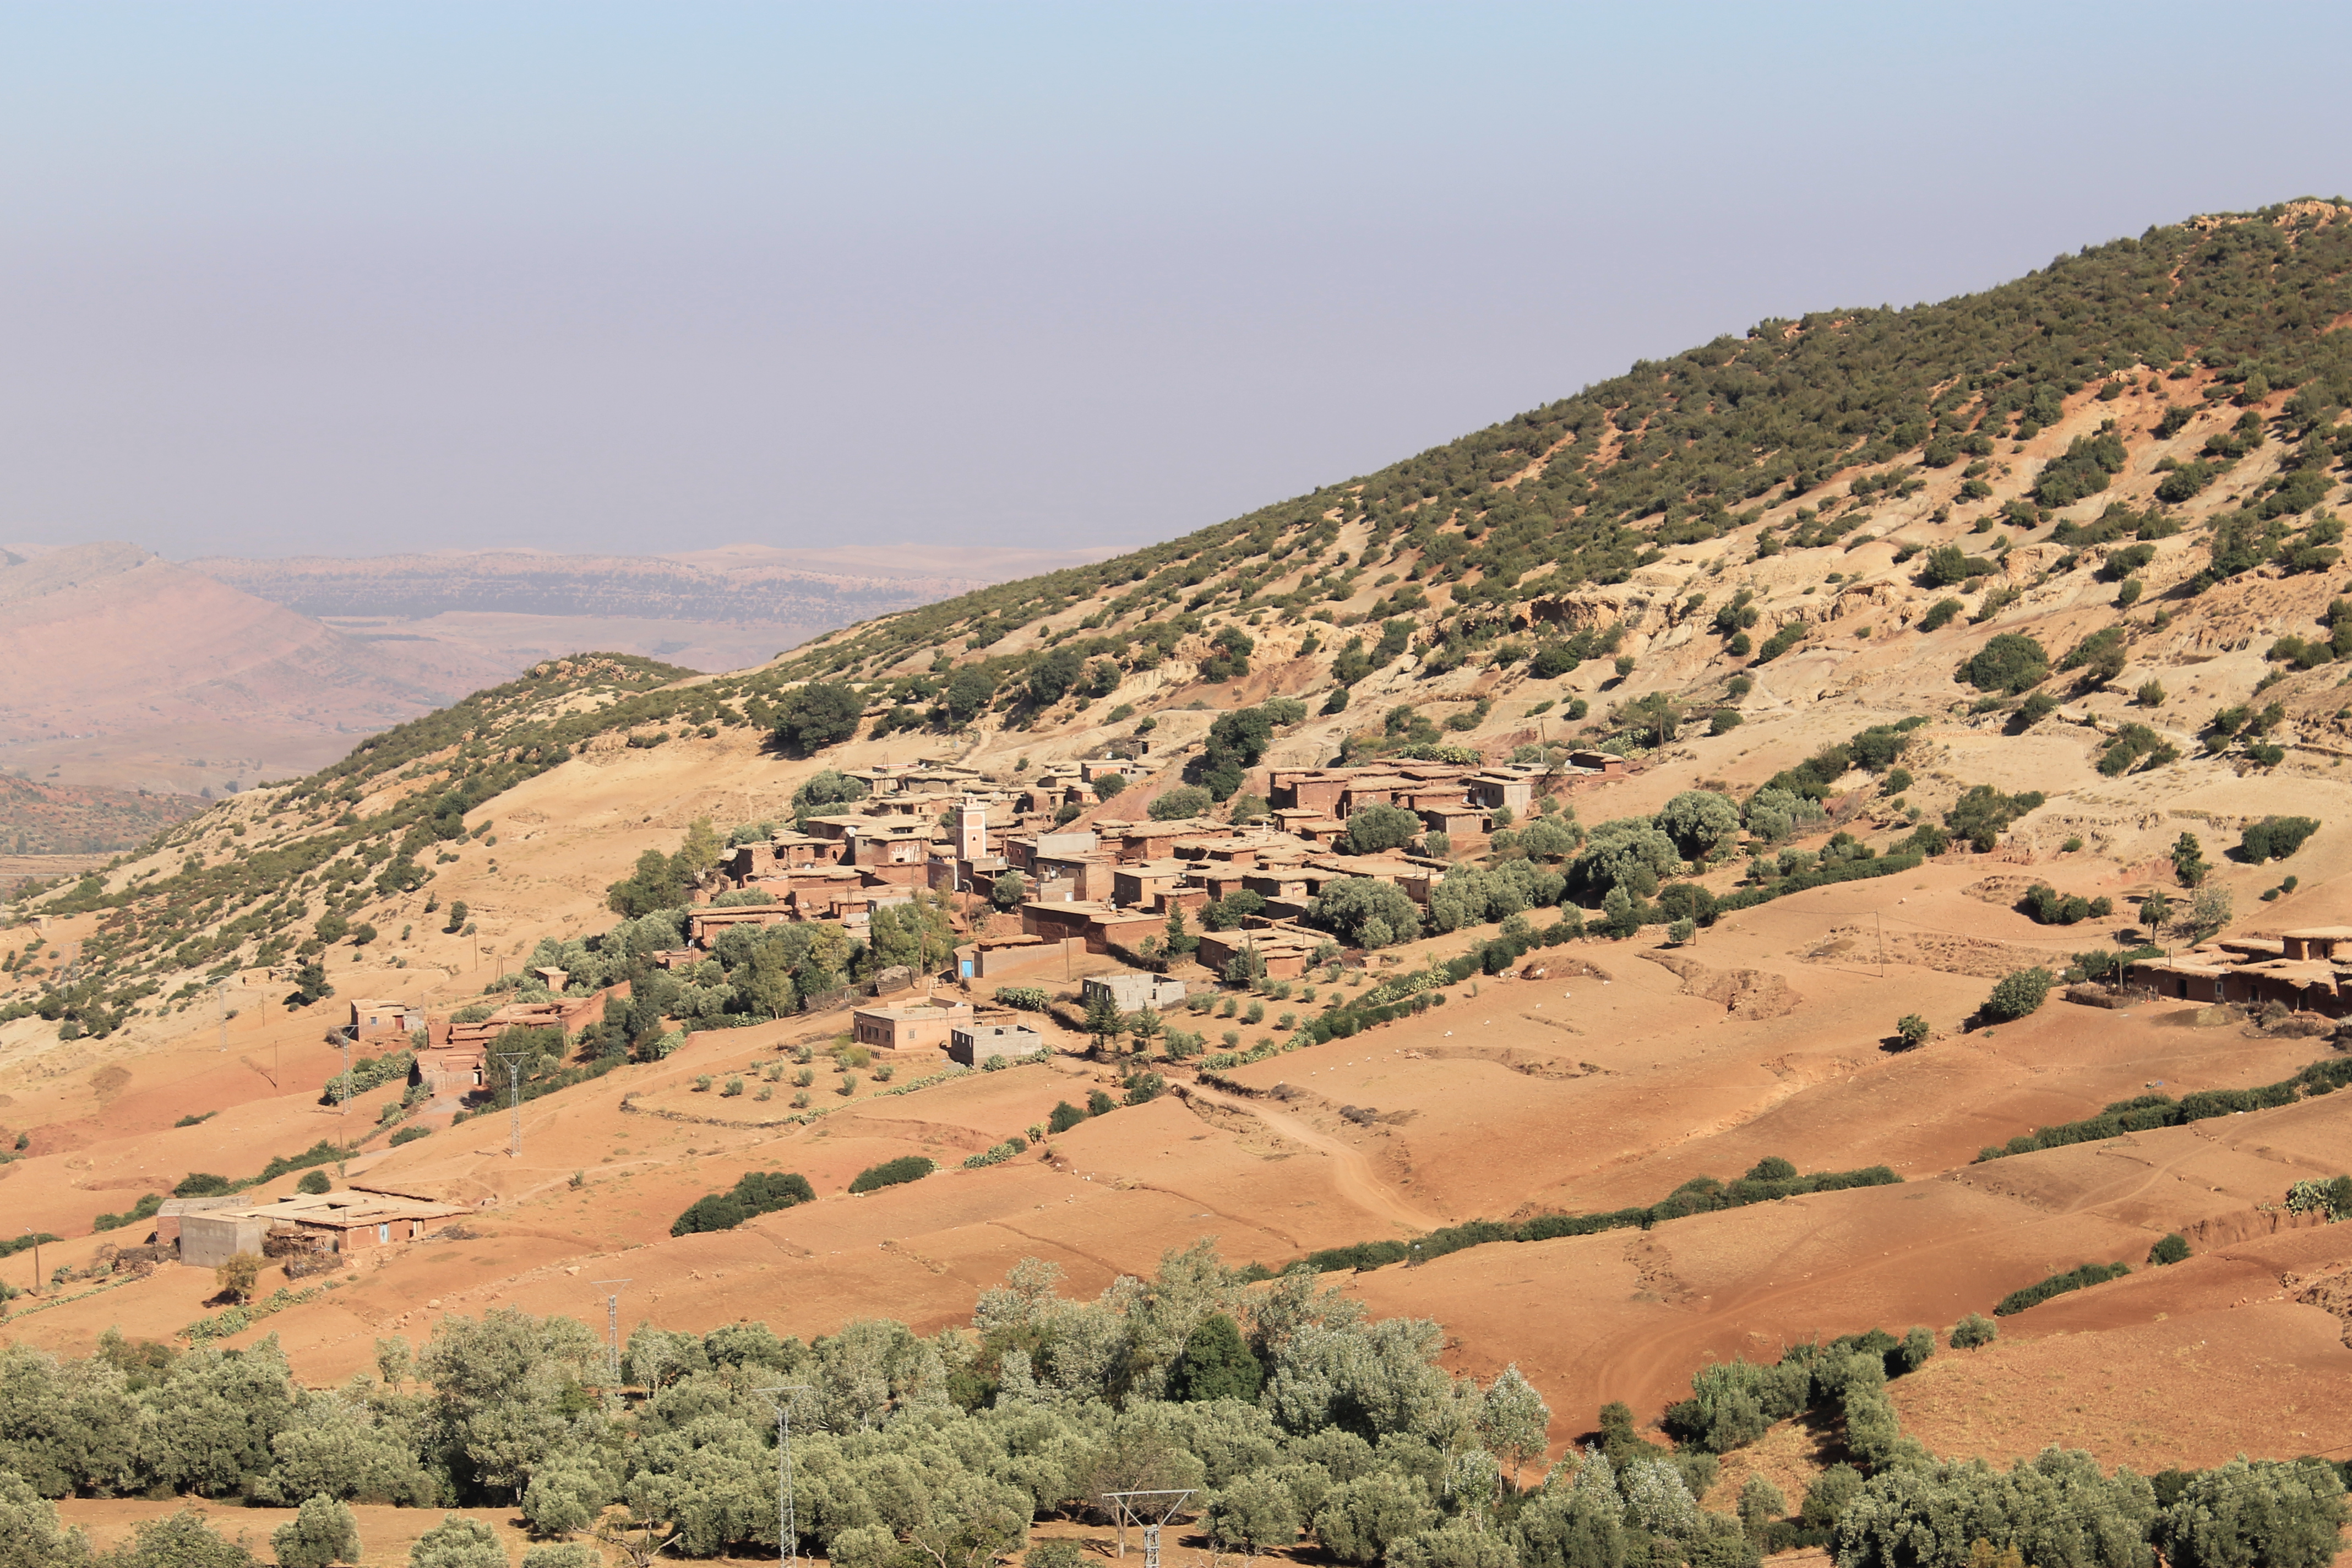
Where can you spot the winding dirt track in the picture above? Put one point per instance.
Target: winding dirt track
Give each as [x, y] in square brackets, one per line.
[1353, 1173]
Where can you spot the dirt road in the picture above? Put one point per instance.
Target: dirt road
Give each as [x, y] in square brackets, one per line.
[1351, 1170]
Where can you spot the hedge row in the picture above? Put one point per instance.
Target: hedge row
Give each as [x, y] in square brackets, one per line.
[2058, 1285]
[1700, 1195]
[2148, 1111]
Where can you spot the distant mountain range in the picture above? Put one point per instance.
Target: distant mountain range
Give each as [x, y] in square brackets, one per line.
[811, 591]
[131, 672]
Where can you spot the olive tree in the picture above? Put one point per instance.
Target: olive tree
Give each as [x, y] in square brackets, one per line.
[1699, 821]
[1365, 912]
[321, 1533]
[458, 1543]
[1374, 828]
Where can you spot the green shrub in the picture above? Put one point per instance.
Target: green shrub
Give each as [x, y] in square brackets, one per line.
[2010, 663]
[1940, 614]
[2020, 993]
[891, 1173]
[2173, 1248]
[1974, 1331]
[321, 1533]
[2276, 837]
[1948, 564]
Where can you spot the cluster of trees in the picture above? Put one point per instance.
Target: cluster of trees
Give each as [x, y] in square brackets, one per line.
[1236, 742]
[1620, 864]
[1283, 1406]
[2050, 907]
[2245, 725]
[1285, 1410]
[662, 881]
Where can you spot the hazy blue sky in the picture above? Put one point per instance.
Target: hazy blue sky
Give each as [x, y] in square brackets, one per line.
[348, 279]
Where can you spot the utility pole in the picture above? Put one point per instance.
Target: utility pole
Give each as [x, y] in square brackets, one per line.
[788, 1534]
[514, 1060]
[37, 1263]
[1149, 1510]
[613, 1329]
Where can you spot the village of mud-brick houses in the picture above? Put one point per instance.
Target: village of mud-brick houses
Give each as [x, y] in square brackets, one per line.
[1105, 890]
[1087, 895]
[1100, 891]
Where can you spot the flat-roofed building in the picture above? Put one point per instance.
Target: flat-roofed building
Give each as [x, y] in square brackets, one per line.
[977, 1045]
[1286, 952]
[1132, 990]
[381, 1020]
[909, 1028]
[344, 1222]
[2317, 942]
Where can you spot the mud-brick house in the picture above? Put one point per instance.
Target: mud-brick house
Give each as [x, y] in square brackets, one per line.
[1286, 952]
[2317, 941]
[1315, 790]
[1097, 925]
[1500, 788]
[910, 1028]
[344, 1222]
[703, 925]
[455, 1054]
[2185, 979]
[374, 1019]
[1156, 885]
[175, 1211]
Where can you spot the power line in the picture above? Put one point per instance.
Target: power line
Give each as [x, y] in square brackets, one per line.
[514, 1060]
[613, 1329]
[1149, 1509]
[788, 1533]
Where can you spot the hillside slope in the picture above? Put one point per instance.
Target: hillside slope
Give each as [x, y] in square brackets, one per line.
[1723, 568]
